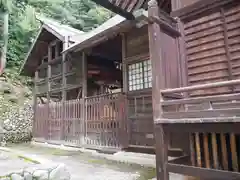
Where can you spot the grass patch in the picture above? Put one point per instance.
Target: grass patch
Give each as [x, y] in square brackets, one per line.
[28, 159]
[146, 173]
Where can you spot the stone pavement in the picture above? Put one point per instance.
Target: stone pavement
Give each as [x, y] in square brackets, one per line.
[86, 164]
[10, 163]
[81, 167]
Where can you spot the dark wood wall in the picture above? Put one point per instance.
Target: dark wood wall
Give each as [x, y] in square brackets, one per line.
[136, 50]
[140, 111]
[212, 47]
[178, 4]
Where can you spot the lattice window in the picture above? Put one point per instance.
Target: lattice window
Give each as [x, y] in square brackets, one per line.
[139, 75]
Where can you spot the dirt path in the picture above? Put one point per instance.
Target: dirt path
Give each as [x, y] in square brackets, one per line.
[83, 166]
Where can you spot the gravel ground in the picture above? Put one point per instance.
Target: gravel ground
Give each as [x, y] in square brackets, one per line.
[83, 166]
[11, 163]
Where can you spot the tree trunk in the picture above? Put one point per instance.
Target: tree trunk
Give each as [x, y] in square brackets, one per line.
[3, 40]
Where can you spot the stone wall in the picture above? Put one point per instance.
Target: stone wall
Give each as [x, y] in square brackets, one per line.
[17, 124]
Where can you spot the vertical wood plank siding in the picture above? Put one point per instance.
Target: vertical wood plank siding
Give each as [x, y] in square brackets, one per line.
[95, 122]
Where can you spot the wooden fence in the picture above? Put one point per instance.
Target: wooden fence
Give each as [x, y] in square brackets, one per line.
[140, 119]
[96, 122]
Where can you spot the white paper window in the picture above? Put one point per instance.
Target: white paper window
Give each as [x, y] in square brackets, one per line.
[139, 75]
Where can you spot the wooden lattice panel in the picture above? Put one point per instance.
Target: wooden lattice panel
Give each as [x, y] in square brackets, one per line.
[217, 151]
[140, 116]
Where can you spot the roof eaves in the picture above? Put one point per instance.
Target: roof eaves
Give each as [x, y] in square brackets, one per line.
[30, 50]
[54, 32]
[140, 15]
[100, 31]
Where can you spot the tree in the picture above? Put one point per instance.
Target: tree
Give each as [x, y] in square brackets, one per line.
[81, 14]
[5, 7]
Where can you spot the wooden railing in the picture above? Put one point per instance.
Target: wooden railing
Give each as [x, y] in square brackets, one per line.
[98, 121]
[213, 124]
[205, 108]
[105, 120]
[140, 119]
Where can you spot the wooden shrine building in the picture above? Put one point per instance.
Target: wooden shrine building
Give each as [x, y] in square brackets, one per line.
[164, 74]
[97, 92]
[205, 106]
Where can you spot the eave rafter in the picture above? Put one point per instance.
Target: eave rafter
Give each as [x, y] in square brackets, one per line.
[124, 8]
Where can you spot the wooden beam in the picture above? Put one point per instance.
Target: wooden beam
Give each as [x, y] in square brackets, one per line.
[206, 150]
[234, 152]
[198, 7]
[215, 150]
[202, 173]
[215, 98]
[203, 113]
[224, 151]
[217, 127]
[164, 25]
[202, 86]
[106, 4]
[198, 150]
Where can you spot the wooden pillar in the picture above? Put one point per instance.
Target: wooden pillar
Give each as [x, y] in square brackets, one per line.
[64, 81]
[84, 93]
[126, 134]
[84, 74]
[158, 83]
[36, 79]
[124, 65]
[48, 124]
[64, 85]
[49, 73]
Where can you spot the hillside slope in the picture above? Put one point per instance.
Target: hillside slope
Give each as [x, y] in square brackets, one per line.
[15, 106]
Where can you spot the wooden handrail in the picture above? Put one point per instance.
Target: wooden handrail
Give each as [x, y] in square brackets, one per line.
[201, 87]
[223, 97]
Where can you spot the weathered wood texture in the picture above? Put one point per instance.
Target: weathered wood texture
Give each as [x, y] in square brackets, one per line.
[212, 48]
[215, 148]
[176, 4]
[96, 122]
[217, 154]
[136, 44]
[126, 8]
[140, 111]
[72, 78]
[210, 115]
[140, 101]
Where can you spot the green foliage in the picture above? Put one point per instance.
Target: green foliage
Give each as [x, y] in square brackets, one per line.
[6, 5]
[81, 14]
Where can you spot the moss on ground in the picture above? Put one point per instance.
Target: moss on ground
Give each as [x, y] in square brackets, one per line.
[28, 159]
[146, 173]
